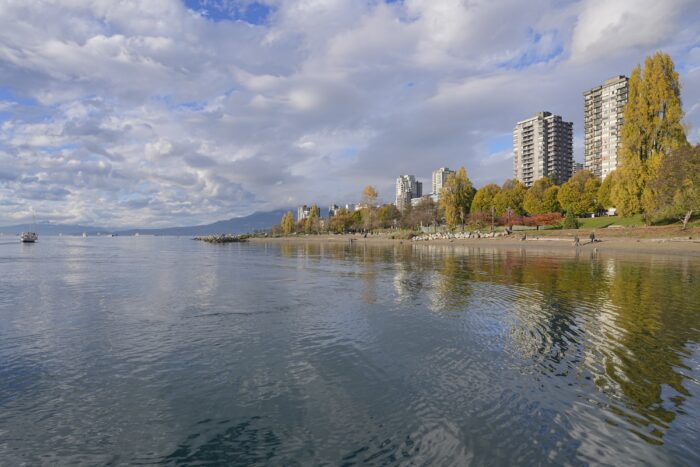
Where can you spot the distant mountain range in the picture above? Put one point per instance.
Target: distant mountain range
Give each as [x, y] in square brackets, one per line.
[236, 225]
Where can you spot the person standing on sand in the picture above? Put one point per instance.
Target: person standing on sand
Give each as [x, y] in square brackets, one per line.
[576, 241]
[592, 237]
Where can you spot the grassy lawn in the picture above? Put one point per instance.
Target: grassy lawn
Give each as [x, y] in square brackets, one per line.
[605, 221]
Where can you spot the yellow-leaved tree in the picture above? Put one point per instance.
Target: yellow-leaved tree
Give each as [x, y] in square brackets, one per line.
[456, 198]
[369, 206]
[541, 198]
[511, 198]
[652, 129]
[484, 198]
[287, 223]
[580, 193]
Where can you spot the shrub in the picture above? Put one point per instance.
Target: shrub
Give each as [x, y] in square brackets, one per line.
[570, 221]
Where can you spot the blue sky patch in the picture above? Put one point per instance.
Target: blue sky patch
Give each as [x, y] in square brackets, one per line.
[221, 10]
[499, 143]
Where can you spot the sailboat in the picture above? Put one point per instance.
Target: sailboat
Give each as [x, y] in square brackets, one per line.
[29, 237]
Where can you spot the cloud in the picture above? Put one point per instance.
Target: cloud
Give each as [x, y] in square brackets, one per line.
[171, 113]
[606, 28]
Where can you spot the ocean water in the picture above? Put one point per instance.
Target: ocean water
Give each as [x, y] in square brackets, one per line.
[167, 351]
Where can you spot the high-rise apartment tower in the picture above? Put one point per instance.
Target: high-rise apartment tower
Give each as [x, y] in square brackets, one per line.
[543, 146]
[407, 188]
[604, 108]
[439, 179]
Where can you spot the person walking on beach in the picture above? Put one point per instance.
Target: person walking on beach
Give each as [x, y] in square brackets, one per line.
[592, 237]
[576, 241]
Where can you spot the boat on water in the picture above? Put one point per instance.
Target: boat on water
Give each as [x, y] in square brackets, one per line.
[84, 235]
[28, 237]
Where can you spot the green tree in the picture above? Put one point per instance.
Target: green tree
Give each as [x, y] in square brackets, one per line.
[541, 198]
[340, 223]
[484, 198]
[356, 222]
[652, 128]
[579, 193]
[511, 197]
[387, 215]
[570, 221]
[287, 223]
[677, 185]
[456, 198]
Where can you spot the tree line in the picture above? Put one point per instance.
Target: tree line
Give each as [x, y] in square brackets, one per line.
[658, 176]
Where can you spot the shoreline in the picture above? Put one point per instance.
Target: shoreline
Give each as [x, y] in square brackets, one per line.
[680, 246]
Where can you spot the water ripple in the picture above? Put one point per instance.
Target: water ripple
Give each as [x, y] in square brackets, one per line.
[165, 351]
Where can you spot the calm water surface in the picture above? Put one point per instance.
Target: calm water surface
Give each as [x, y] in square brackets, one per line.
[169, 351]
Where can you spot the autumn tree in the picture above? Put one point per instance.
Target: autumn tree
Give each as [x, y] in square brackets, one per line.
[605, 191]
[483, 199]
[541, 198]
[509, 200]
[579, 193]
[313, 221]
[387, 215]
[287, 223]
[676, 185]
[369, 202]
[424, 213]
[456, 198]
[340, 222]
[652, 128]
[545, 219]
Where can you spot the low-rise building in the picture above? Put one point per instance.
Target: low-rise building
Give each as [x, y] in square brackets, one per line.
[416, 201]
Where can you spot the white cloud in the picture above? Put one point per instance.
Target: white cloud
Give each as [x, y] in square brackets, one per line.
[608, 28]
[127, 113]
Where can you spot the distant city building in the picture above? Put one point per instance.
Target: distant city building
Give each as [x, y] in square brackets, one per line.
[350, 207]
[439, 179]
[303, 212]
[604, 108]
[333, 210]
[407, 188]
[577, 167]
[416, 201]
[543, 146]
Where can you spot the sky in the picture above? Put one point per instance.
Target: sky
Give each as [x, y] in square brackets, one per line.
[177, 112]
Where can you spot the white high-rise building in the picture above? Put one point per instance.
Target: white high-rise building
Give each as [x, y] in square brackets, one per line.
[407, 188]
[439, 178]
[543, 146]
[604, 108]
[303, 212]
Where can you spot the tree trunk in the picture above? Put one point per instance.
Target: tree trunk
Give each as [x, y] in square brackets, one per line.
[686, 219]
